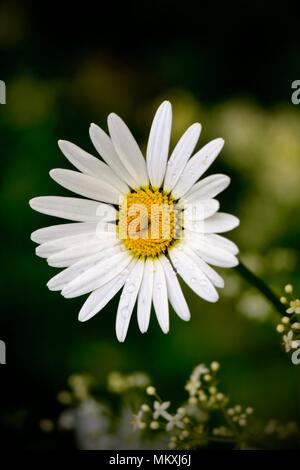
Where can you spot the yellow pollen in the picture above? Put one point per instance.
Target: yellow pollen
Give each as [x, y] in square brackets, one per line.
[147, 222]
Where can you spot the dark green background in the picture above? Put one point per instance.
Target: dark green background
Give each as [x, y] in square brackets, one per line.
[229, 66]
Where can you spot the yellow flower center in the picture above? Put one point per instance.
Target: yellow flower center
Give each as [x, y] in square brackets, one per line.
[147, 222]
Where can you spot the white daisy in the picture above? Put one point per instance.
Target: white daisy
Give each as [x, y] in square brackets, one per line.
[109, 247]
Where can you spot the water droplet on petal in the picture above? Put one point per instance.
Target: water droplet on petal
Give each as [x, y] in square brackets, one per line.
[124, 312]
[193, 280]
[130, 287]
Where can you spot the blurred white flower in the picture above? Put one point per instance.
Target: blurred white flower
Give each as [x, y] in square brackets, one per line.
[288, 341]
[294, 306]
[175, 421]
[137, 421]
[160, 409]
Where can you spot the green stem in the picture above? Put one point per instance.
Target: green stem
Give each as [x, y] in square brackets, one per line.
[261, 286]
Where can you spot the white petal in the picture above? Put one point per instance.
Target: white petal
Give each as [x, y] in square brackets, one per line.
[220, 223]
[105, 148]
[212, 254]
[207, 188]
[145, 296]
[158, 144]
[72, 208]
[191, 250]
[101, 296]
[47, 234]
[180, 155]
[86, 186]
[160, 296]
[175, 293]
[195, 213]
[128, 299]
[63, 278]
[127, 149]
[89, 165]
[54, 246]
[47, 249]
[193, 276]
[196, 166]
[98, 275]
[221, 242]
[71, 255]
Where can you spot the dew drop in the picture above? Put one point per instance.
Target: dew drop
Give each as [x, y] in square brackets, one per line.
[124, 312]
[130, 288]
[193, 280]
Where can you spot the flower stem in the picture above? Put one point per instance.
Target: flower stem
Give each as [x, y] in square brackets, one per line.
[261, 286]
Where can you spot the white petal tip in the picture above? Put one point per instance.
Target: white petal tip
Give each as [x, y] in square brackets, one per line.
[196, 127]
[33, 203]
[121, 339]
[37, 251]
[67, 293]
[186, 317]
[32, 238]
[93, 127]
[213, 300]
[64, 145]
[82, 318]
[52, 286]
[112, 117]
[143, 330]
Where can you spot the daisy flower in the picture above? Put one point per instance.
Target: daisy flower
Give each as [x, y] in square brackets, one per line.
[139, 223]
